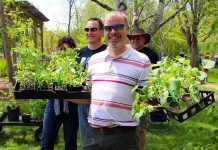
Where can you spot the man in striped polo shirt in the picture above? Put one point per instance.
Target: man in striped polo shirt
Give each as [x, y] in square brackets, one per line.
[111, 75]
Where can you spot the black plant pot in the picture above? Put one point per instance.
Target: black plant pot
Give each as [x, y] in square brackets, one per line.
[13, 113]
[25, 118]
[74, 88]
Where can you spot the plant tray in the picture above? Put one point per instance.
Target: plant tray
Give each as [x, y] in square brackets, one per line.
[206, 99]
[49, 94]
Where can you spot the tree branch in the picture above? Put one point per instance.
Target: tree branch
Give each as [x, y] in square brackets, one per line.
[207, 36]
[173, 15]
[102, 5]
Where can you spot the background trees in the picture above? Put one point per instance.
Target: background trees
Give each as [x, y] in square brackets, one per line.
[190, 26]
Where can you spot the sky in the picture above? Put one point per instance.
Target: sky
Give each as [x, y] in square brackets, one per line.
[54, 10]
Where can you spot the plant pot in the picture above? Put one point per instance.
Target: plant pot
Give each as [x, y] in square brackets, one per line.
[74, 88]
[60, 87]
[187, 99]
[13, 113]
[25, 117]
[30, 86]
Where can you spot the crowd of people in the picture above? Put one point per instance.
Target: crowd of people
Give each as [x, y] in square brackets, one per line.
[104, 121]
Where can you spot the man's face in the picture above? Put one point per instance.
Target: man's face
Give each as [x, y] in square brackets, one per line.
[116, 31]
[93, 32]
[138, 42]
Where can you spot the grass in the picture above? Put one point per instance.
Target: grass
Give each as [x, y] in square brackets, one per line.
[197, 133]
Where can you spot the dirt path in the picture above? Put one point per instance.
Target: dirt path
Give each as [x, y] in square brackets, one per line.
[211, 85]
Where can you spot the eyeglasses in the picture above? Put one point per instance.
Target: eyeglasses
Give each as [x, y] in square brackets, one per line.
[115, 27]
[137, 37]
[92, 29]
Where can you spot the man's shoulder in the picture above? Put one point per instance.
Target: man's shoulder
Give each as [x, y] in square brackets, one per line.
[85, 48]
[99, 55]
[140, 56]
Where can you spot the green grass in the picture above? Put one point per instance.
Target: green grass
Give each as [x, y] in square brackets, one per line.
[3, 68]
[197, 133]
[213, 75]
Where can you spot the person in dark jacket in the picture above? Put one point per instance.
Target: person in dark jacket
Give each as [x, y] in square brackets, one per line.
[94, 33]
[138, 40]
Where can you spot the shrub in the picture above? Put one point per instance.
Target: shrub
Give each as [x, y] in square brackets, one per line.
[3, 68]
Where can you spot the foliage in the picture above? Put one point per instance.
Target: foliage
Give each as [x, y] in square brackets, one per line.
[168, 84]
[3, 69]
[208, 63]
[62, 68]
[20, 28]
[28, 65]
[66, 70]
[37, 107]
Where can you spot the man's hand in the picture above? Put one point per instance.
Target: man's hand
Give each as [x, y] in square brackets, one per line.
[80, 101]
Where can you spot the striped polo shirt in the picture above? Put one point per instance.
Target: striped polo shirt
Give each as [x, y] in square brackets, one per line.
[111, 80]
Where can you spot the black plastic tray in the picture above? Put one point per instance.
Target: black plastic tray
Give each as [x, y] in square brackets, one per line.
[49, 94]
[206, 99]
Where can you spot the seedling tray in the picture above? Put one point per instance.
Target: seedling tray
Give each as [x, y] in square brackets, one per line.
[49, 94]
[206, 99]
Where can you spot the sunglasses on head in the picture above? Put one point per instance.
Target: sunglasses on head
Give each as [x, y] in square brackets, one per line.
[91, 29]
[115, 27]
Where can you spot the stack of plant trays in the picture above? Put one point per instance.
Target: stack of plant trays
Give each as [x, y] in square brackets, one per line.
[206, 99]
[52, 93]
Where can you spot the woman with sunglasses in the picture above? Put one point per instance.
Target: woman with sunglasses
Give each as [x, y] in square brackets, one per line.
[58, 112]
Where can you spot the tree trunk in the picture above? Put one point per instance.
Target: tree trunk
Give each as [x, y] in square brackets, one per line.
[6, 45]
[194, 51]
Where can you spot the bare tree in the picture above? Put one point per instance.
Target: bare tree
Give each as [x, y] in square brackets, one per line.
[70, 2]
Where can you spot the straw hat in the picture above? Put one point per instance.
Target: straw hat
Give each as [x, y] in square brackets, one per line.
[139, 31]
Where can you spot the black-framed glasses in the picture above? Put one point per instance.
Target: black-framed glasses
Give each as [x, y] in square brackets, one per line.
[116, 27]
[91, 29]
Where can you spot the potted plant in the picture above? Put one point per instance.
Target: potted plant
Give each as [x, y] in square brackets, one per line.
[172, 85]
[13, 110]
[67, 72]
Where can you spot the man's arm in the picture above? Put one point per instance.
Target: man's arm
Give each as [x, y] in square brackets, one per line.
[80, 101]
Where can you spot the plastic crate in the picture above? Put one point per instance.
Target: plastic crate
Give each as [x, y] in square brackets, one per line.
[206, 99]
[49, 94]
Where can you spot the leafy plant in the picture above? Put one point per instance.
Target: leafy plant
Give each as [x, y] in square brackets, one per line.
[37, 108]
[168, 86]
[66, 70]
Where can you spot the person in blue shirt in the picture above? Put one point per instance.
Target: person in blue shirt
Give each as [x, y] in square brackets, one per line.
[94, 33]
[58, 112]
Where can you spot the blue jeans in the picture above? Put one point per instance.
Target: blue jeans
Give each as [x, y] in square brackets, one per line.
[52, 124]
[83, 112]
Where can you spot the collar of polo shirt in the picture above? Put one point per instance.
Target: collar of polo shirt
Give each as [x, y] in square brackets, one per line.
[124, 55]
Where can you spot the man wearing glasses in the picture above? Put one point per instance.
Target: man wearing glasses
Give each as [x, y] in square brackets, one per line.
[111, 75]
[94, 33]
[138, 40]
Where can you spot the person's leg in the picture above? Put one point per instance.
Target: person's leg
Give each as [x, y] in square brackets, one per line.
[83, 111]
[142, 139]
[70, 125]
[143, 125]
[51, 126]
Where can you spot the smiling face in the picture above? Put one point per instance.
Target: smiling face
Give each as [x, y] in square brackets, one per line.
[93, 32]
[116, 30]
[138, 42]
